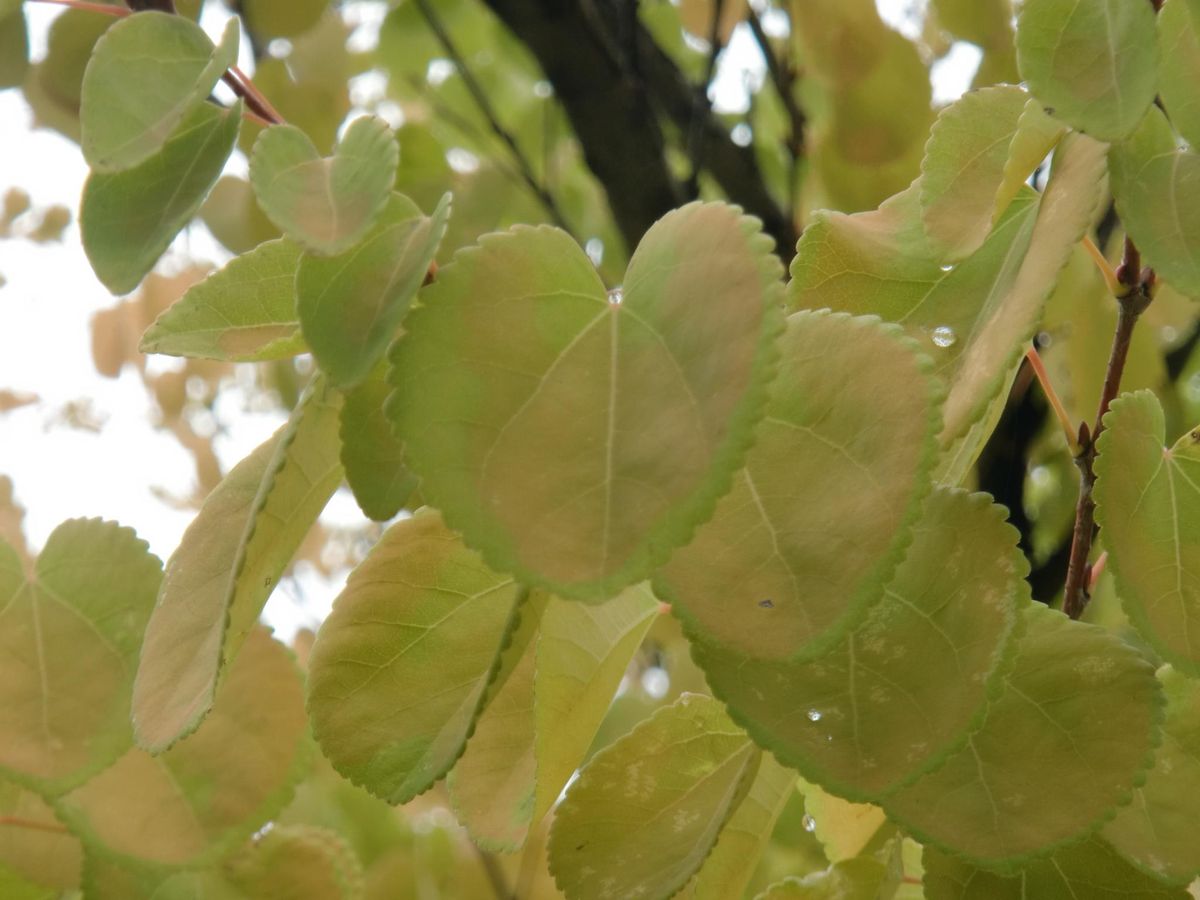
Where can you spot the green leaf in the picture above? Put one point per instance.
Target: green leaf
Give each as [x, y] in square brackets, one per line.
[129, 218]
[296, 862]
[861, 878]
[14, 47]
[1156, 186]
[733, 860]
[245, 312]
[1156, 832]
[1063, 745]
[350, 305]
[1179, 65]
[974, 318]
[210, 791]
[1090, 869]
[399, 671]
[148, 75]
[575, 441]
[1148, 503]
[785, 565]
[537, 729]
[646, 810]
[371, 455]
[896, 695]
[981, 150]
[327, 204]
[268, 19]
[69, 636]
[227, 564]
[1094, 63]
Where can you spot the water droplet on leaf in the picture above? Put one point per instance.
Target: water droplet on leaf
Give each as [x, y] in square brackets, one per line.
[944, 336]
[809, 823]
[616, 295]
[814, 715]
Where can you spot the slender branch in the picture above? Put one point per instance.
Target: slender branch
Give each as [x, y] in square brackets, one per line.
[18, 822]
[1043, 377]
[783, 77]
[1136, 286]
[251, 92]
[695, 137]
[485, 106]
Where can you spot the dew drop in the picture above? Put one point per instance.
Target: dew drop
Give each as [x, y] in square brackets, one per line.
[814, 715]
[809, 823]
[616, 295]
[947, 268]
[944, 336]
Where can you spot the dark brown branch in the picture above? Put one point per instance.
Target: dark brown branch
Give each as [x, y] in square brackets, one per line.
[783, 77]
[485, 106]
[703, 103]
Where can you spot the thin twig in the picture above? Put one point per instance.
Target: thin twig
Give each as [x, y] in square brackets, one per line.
[1136, 286]
[783, 77]
[695, 137]
[485, 106]
[1039, 369]
[260, 98]
[1106, 270]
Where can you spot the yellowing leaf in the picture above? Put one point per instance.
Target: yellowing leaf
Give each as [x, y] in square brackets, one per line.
[1093, 63]
[843, 828]
[146, 76]
[1063, 745]
[646, 810]
[399, 670]
[129, 218]
[245, 312]
[1148, 505]
[198, 799]
[817, 521]
[69, 637]
[227, 564]
[326, 204]
[350, 305]
[575, 440]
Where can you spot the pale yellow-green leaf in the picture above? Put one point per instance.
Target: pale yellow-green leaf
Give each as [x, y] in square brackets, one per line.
[862, 878]
[371, 454]
[281, 18]
[296, 862]
[227, 564]
[1179, 65]
[843, 828]
[47, 855]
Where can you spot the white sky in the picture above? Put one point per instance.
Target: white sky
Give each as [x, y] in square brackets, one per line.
[60, 472]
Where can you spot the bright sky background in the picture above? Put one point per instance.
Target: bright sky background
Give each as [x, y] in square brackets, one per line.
[61, 472]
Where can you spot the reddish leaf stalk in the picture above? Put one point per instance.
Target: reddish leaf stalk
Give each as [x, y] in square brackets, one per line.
[18, 822]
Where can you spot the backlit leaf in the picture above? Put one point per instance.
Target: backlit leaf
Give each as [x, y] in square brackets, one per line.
[227, 564]
[69, 636]
[245, 312]
[371, 455]
[399, 670]
[1063, 745]
[573, 439]
[147, 76]
[1156, 832]
[46, 855]
[350, 305]
[817, 521]
[296, 863]
[325, 203]
[1148, 504]
[844, 829]
[1179, 66]
[1156, 186]
[215, 788]
[646, 810]
[897, 693]
[1095, 63]
[129, 218]
[1090, 869]
[281, 18]
[14, 47]
[861, 878]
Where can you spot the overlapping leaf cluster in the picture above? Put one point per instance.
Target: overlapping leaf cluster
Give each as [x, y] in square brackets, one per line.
[783, 464]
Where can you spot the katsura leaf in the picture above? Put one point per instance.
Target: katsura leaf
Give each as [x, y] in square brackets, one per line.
[646, 811]
[575, 440]
[1179, 66]
[69, 636]
[296, 862]
[1148, 504]
[861, 878]
[980, 152]
[325, 203]
[1094, 64]
[371, 455]
[1156, 186]
[399, 671]
[227, 564]
[147, 75]
[1156, 832]
[198, 799]
[350, 305]
[245, 312]
[843, 829]
[1090, 869]
[1063, 745]
[46, 854]
[282, 18]
[895, 695]
[129, 218]
[817, 521]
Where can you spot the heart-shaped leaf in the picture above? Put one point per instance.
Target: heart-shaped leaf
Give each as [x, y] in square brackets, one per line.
[147, 74]
[574, 437]
[325, 203]
[350, 305]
